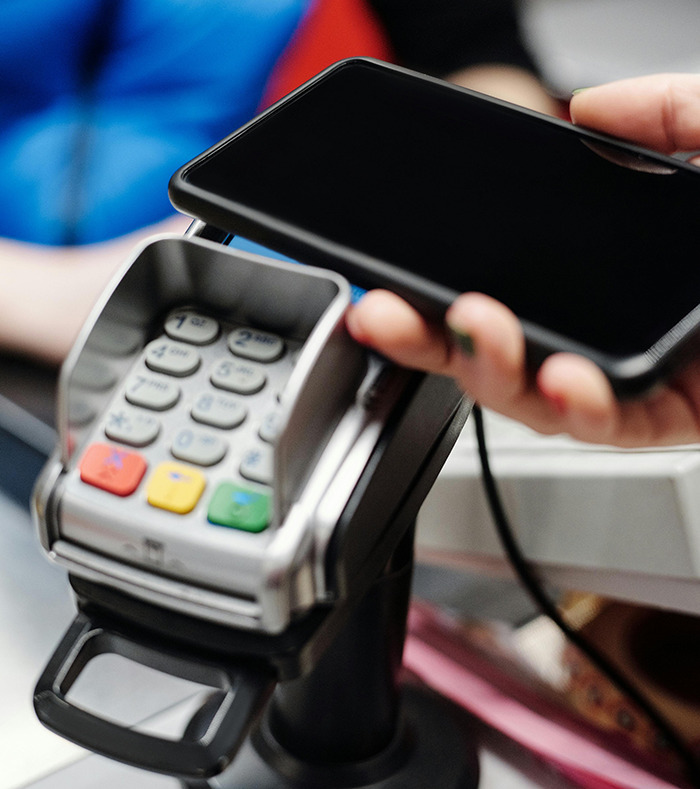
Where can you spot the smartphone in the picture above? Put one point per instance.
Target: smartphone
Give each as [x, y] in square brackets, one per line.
[399, 180]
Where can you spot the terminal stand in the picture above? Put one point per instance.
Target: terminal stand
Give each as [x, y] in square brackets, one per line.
[350, 722]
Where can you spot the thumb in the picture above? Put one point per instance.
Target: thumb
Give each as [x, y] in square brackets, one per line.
[660, 111]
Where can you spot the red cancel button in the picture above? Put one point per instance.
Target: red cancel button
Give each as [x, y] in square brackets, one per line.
[112, 469]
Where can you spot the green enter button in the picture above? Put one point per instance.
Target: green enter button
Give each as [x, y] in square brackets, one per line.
[239, 507]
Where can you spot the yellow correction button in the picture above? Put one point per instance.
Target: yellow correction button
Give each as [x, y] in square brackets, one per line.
[175, 487]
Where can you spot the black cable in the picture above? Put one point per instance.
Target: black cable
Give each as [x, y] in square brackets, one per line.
[534, 587]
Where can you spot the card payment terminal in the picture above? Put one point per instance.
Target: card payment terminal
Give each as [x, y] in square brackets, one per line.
[233, 475]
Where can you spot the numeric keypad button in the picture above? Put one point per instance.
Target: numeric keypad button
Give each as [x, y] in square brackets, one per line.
[219, 410]
[189, 326]
[131, 426]
[152, 391]
[171, 357]
[198, 446]
[256, 465]
[259, 346]
[270, 427]
[237, 376]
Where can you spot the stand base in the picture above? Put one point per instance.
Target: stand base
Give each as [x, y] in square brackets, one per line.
[433, 747]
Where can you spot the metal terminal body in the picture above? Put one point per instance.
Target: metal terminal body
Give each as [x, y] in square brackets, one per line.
[234, 494]
[137, 382]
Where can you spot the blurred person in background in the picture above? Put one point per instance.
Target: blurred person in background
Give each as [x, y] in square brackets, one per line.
[101, 100]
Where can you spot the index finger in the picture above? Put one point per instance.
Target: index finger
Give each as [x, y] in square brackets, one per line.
[660, 111]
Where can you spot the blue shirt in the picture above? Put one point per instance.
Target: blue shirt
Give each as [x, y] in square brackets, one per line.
[101, 100]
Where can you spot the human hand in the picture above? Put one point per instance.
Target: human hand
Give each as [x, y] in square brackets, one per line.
[481, 344]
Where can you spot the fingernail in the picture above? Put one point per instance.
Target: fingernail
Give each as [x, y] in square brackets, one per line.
[463, 340]
[576, 91]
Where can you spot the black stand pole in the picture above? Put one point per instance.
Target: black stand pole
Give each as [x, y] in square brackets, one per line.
[349, 723]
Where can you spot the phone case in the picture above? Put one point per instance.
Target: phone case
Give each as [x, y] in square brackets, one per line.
[631, 374]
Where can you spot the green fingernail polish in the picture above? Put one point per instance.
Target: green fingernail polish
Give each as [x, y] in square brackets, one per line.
[577, 91]
[465, 342]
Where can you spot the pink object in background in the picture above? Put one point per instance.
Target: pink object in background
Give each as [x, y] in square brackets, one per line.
[438, 655]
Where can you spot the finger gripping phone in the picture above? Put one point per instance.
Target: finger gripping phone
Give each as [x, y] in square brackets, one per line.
[400, 180]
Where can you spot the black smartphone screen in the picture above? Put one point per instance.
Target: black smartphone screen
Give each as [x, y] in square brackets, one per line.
[472, 194]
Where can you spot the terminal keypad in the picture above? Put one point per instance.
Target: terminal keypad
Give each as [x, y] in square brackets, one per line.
[195, 422]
